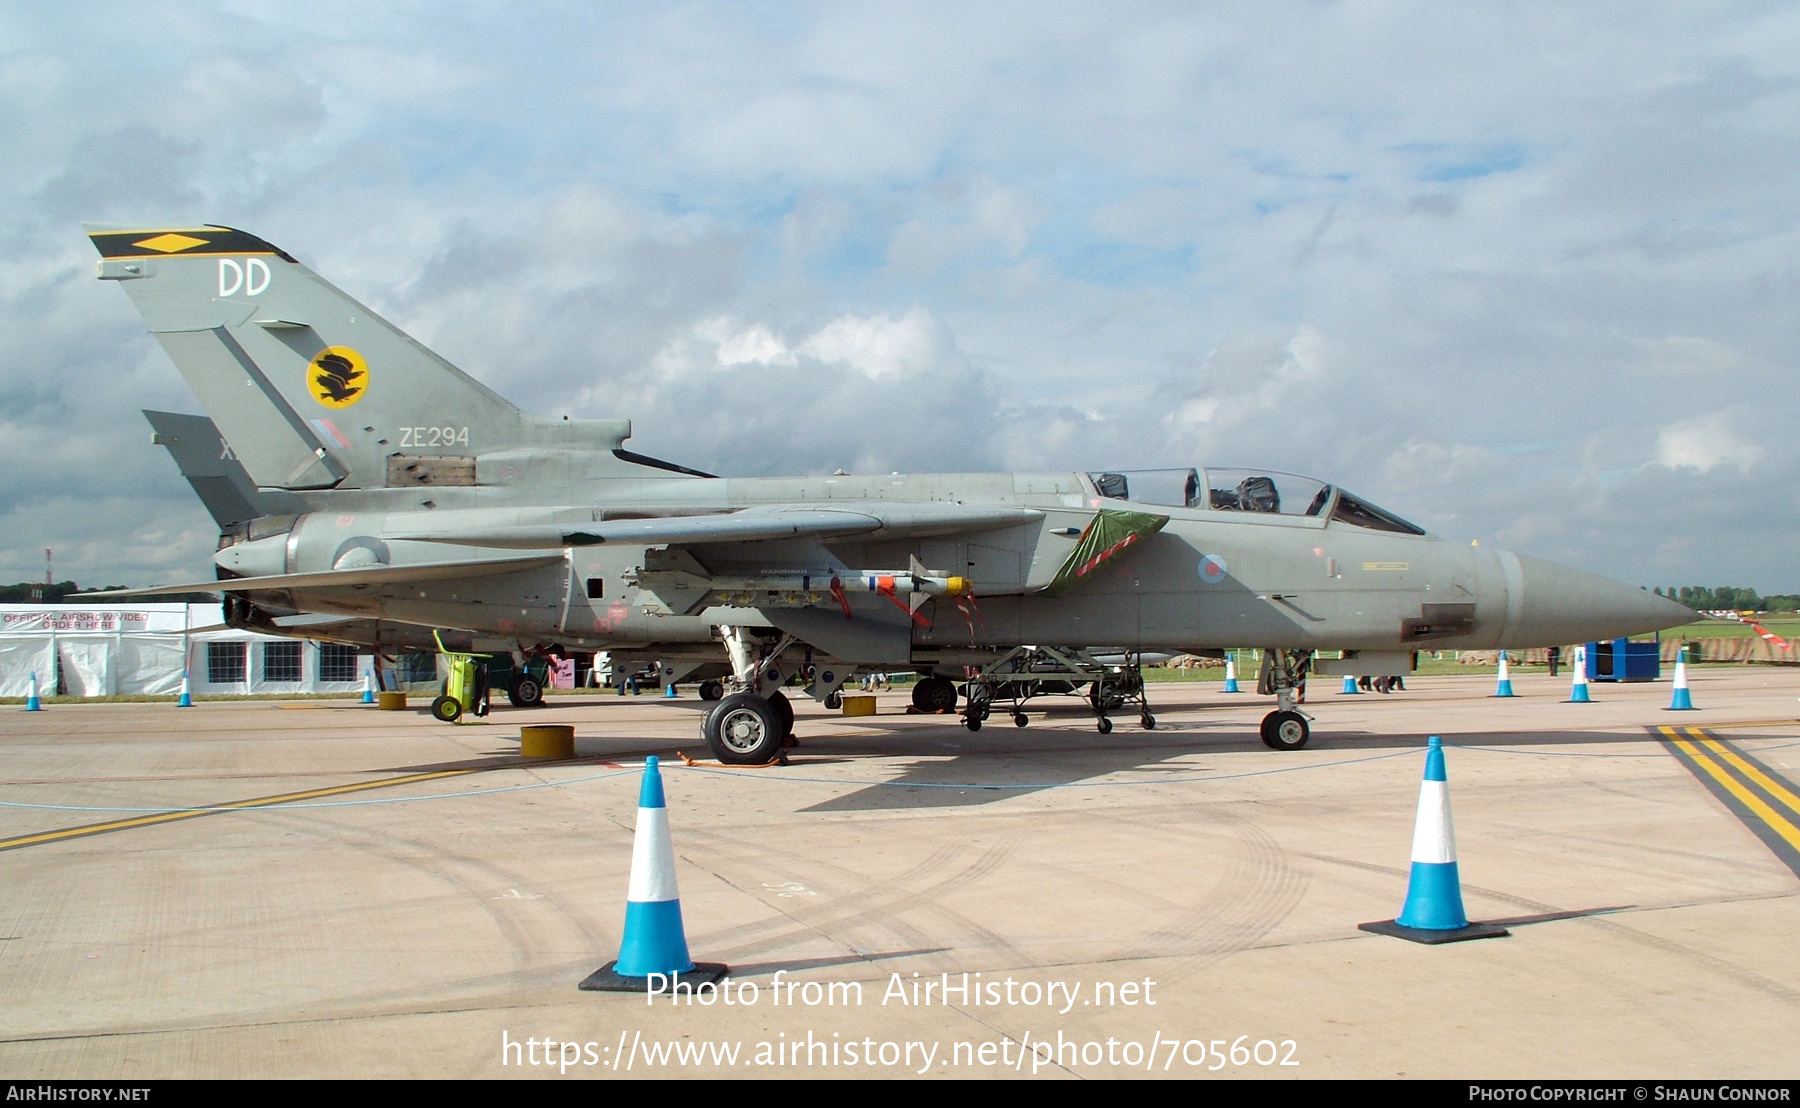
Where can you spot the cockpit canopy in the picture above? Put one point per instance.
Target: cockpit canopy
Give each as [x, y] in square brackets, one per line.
[1247, 490]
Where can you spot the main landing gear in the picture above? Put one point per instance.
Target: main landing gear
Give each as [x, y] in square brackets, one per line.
[754, 726]
[748, 730]
[1283, 676]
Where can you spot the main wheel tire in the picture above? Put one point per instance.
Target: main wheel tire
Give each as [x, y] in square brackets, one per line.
[784, 712]
[743, 731]
[712, 690]
[447, 708]
[525, 692]
[934, 694]
[1285, 731]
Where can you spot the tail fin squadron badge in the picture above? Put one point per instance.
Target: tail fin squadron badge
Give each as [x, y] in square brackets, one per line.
[337, 377]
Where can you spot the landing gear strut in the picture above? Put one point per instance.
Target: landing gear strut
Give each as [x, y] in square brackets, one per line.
[1283, 676]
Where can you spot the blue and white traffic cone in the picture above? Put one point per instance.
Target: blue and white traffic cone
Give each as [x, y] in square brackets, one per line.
[1350, 686]
[669, 692]
[186, 699]
[1433, 912]
[653, 953]
[31, 697]
[1231, 674]
[1434, 890]
[369, 687]
[1681, 701]
[1578, 684]
[1504, 688]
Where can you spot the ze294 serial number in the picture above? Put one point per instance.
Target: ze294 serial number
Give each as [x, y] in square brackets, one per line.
[433, 436]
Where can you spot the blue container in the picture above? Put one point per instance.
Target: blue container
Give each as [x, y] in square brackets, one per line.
[1624, 660]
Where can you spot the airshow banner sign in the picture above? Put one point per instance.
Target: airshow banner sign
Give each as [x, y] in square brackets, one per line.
[77, 621]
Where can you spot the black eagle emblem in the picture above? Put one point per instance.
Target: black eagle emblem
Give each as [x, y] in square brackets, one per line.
[337, 377]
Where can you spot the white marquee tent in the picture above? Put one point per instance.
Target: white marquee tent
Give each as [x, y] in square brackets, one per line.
[120, 650]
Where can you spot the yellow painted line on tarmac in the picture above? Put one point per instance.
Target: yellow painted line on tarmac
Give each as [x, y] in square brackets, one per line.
[1754, 723]
[84, 830]
[1776, 822]
[1769, 784]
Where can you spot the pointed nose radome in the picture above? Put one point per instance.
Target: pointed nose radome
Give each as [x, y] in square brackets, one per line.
[1562, 605]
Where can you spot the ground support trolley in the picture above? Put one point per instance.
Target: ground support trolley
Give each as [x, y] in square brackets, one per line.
[1026, 672]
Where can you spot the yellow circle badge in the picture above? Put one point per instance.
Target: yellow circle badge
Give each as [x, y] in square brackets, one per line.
[337, 377]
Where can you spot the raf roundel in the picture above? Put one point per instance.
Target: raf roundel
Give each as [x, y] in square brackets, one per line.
[1212, 569]
[338, 377]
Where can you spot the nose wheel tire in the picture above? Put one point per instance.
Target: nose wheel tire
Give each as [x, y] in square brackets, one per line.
[447, 708]
[744, 730]
[1285, 731]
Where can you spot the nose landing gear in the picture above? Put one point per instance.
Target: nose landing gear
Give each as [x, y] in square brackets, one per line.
[1283, 676]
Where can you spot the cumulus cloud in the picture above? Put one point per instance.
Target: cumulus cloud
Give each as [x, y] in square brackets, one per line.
[1719, 439]
[873, 346]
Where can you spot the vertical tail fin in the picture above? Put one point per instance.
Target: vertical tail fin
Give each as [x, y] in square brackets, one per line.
[310, 388]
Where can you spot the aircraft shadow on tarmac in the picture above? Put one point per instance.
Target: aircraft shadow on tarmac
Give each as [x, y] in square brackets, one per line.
[954, 767]
[1019, 762]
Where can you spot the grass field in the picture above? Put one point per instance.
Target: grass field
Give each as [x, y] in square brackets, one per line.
[1788, 627]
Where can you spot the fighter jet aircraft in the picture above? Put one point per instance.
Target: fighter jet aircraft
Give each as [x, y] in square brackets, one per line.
[408, 492]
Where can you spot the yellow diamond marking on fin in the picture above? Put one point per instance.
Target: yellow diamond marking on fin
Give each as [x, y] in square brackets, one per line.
[170, 243]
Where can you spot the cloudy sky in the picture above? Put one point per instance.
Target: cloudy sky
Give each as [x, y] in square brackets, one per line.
[1526, 274]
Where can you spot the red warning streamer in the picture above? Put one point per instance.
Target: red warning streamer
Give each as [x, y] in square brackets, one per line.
[885, 586]
[971, 612]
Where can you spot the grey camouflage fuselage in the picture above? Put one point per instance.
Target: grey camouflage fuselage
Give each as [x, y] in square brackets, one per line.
[414, 494]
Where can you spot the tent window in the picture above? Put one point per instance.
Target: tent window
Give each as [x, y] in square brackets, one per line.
[281, 661]
[337, 662]
[225, 663]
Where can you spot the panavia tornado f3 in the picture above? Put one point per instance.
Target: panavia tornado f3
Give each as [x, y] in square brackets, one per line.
[397, 490]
